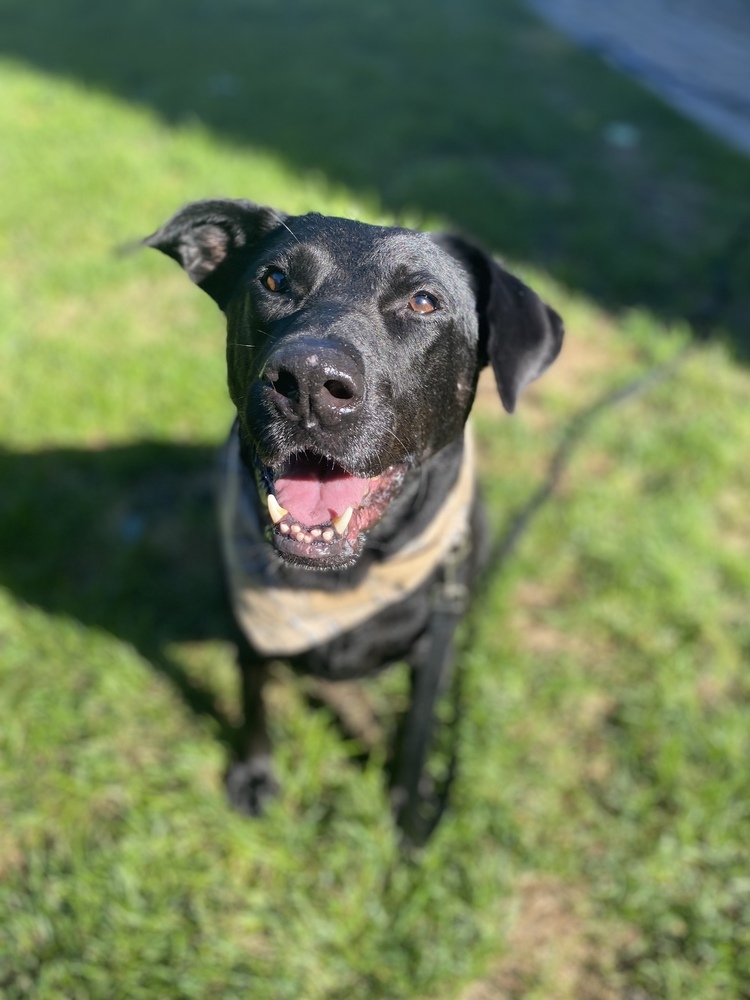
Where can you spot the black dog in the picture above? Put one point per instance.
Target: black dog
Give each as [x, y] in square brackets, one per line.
[350, 525]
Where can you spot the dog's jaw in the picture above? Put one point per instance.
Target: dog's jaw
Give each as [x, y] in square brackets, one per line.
[328, 532]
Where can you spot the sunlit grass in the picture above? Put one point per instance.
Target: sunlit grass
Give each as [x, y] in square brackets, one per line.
[604, 741]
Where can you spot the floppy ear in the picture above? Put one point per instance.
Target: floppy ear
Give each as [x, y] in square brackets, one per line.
[212, 241]
[519, 335]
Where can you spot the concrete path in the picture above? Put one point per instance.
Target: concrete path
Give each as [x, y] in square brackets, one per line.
[694, 53]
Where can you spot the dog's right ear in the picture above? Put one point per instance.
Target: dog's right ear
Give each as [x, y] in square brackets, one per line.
[212, 241]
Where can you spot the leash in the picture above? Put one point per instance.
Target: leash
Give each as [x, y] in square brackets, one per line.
[446, 615]
[422, 797]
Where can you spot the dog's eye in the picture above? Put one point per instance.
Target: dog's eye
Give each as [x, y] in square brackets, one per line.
[274, 280]
[422, 302]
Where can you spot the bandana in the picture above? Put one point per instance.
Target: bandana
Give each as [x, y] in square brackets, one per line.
[282, 621]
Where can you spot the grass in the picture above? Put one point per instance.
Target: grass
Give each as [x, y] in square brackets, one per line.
[595, 846]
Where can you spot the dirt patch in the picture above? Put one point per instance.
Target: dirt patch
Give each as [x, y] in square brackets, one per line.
[11, 854]
[557, 948]
[532, 601]
[583, 357]
[539, 635]
[734, 519]
[351, 706]
[487, 398]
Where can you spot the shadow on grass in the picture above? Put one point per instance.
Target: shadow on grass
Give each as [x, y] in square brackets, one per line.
[470, 111]
[124, 540]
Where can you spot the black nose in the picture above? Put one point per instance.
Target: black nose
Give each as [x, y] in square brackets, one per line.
[316, 382]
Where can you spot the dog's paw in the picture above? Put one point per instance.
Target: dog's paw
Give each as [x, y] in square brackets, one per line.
[251, 785]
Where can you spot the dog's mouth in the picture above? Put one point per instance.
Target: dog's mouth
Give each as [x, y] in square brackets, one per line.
[319, 511]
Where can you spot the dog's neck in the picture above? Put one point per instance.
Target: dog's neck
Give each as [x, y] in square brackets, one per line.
[422, 496]
[288, 610]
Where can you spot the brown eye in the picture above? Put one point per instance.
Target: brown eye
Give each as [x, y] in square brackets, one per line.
[274, 280]
[423, 303]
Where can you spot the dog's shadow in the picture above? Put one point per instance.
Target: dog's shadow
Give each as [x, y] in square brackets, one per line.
[124, 539]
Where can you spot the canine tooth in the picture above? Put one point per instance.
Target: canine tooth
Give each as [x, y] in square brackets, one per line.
[341, 523]
[316, 532]
[275, 509]
[328, 534]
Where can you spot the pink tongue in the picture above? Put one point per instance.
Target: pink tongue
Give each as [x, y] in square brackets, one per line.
[314, 493]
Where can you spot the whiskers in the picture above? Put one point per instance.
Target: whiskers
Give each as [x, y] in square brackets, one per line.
[398, 440]
[262, 333]
[280, 218]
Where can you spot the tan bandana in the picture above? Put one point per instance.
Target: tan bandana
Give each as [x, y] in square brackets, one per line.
[282, 621]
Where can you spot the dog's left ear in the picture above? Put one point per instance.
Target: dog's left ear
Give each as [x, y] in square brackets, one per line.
[212, 241]
[519, 335]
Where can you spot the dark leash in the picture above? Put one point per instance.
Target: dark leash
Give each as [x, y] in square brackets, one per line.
[421, 798]
[451, 604]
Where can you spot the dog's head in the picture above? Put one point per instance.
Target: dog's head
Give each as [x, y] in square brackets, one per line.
[353, 355]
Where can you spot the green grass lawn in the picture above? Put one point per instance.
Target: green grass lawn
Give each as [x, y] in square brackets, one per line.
[596, 842]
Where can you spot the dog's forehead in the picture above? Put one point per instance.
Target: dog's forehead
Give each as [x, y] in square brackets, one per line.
[351, 246]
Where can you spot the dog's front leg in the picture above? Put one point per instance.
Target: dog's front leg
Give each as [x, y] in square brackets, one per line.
[411, 787]
[250, 781]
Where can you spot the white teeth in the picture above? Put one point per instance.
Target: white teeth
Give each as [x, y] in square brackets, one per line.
[307, 535]
[341, 523]
[275, 509]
